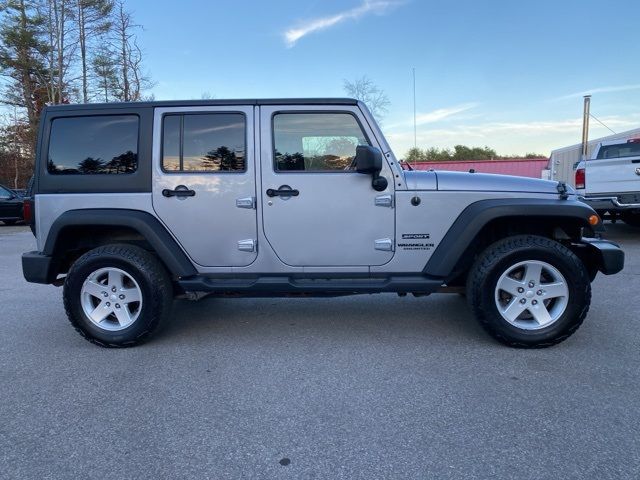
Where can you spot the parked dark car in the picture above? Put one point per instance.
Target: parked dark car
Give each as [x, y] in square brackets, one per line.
[11, 205]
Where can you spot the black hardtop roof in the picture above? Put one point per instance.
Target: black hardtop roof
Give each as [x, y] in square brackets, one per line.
[206, 103]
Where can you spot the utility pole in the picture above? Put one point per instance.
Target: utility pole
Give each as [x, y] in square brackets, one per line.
[585, 126]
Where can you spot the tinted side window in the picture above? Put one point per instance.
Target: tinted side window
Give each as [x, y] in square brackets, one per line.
[316, 142]
[101, 144]
[622, 150]
[213, 142]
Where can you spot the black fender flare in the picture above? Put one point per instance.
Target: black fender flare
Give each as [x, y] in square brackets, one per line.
[164, 245]
[478, 214]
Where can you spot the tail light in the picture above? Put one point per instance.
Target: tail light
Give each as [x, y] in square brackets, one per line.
[27, 211]
[28, 215]
[581, 178]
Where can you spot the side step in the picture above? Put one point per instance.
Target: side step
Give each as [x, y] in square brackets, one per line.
[277, 285]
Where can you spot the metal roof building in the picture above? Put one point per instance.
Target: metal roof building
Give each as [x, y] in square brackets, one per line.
[530, 167]
[563, 160]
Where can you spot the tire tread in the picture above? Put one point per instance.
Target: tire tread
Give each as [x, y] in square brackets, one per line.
[161, 292]
[487, 261]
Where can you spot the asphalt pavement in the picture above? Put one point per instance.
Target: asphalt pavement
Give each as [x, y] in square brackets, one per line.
[364, 387]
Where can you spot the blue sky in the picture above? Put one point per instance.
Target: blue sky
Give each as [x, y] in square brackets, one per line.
[507, 74]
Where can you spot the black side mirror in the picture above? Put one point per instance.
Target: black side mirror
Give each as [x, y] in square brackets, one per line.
[369, 161]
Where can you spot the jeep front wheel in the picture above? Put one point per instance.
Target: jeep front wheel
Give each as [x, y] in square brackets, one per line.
[117, 295]
[529, 291]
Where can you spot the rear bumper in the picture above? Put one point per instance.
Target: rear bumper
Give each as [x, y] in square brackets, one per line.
[608, 255]
[611, 203]
[38, 268]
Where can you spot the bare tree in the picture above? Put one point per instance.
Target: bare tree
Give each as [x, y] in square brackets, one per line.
[16, 165]
[61, 45]
[131, 81]
[93, 21]
[368, 92]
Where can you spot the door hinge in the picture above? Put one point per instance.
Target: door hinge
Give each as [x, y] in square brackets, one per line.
[384, 201]
[247, 245]
[384, 244]
[246, 202]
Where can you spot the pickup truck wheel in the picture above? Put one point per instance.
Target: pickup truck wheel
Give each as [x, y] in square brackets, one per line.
[529, 291]
[631, 219]
[117, 295]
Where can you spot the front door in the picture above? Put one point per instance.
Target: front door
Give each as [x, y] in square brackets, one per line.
[204, 184]
[333, 216]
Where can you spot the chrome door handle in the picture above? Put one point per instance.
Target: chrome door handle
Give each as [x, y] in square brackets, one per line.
[384, 201]
[246, 202]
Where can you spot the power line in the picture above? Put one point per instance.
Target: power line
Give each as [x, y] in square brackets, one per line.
[601, 123]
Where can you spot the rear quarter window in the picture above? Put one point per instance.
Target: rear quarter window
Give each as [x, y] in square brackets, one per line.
[90, 145]
[619, 151]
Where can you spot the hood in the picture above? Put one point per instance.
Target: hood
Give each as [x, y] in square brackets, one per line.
[478, 182]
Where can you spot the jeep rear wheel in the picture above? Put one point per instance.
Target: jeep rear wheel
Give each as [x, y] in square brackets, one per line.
[529, 291]
[117, 295]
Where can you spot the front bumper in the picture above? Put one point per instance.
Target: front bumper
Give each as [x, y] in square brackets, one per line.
[39, 268]
[608, 255]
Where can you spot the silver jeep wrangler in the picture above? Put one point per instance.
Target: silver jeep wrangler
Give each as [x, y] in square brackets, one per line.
[134, 204]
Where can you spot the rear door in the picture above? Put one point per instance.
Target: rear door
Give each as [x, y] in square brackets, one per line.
[336, 218]
[616, 169]
[204, 183]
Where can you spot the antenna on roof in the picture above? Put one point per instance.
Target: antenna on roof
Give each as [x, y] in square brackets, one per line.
[415, 124]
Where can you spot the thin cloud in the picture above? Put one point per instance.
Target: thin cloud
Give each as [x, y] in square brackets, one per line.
[436, 115]
[510, 137]
[442, 113]
[494, 130]
[378, 7]
[611, 89]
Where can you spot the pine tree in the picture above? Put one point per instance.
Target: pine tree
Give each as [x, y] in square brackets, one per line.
[22, 54]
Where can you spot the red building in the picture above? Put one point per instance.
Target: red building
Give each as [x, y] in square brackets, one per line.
[530, 167]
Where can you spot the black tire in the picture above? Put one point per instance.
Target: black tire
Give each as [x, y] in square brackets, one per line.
[631, 219]
[154, 283]
[502, 255]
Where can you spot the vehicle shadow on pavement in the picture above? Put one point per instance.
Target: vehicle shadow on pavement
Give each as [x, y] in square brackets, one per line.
[439, 318]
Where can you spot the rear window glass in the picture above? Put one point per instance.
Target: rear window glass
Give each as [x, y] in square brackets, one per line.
[622, 150]
[101, 144]
[212, 142]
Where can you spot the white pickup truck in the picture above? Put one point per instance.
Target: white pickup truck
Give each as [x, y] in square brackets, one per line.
[610, 181]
